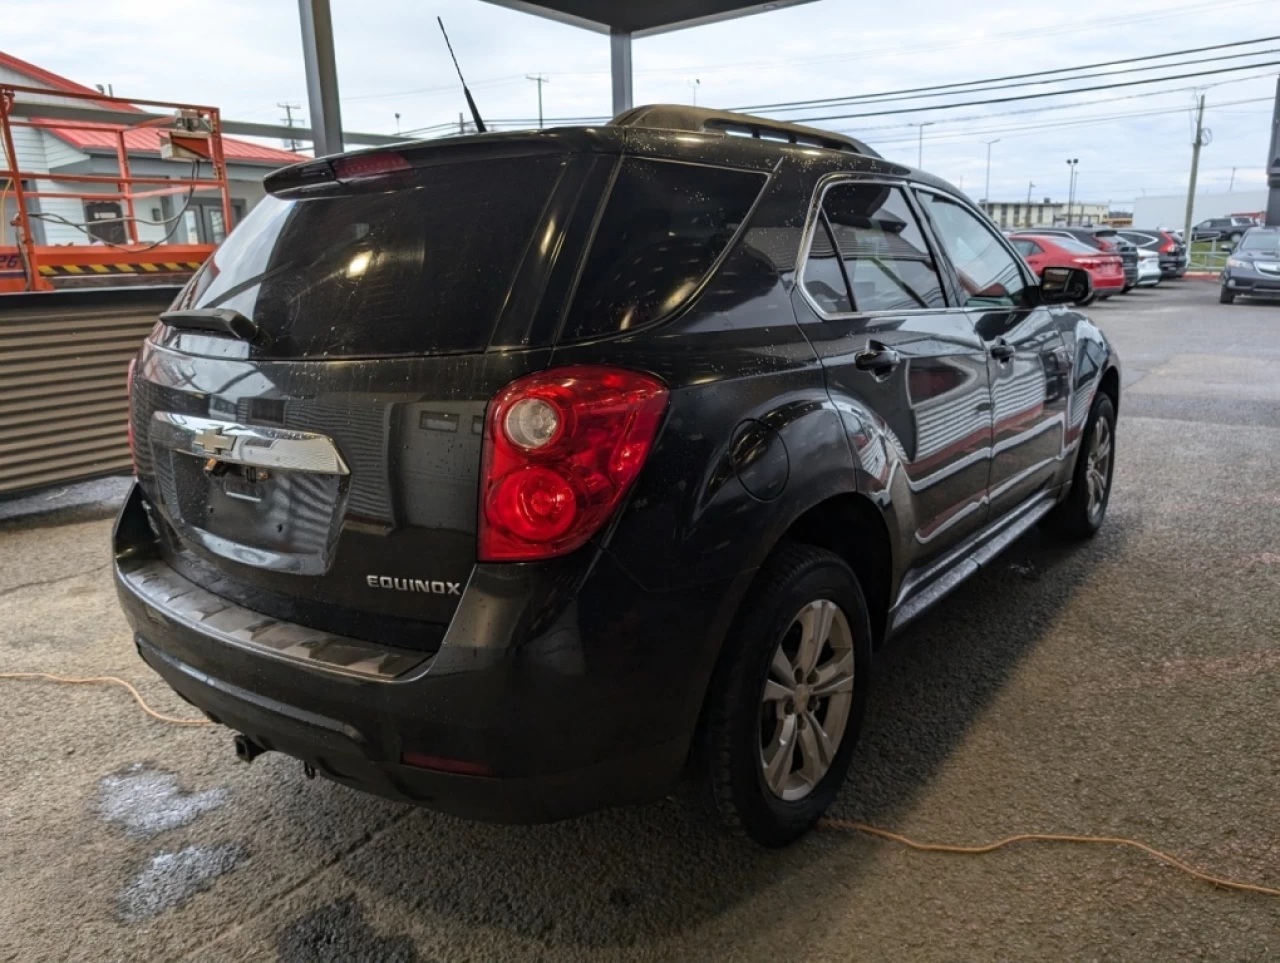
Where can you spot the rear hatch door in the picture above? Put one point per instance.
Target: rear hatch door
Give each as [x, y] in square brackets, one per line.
[327, 474]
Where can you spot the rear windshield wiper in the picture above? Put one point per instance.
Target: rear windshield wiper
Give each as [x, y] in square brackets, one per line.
[222, 320]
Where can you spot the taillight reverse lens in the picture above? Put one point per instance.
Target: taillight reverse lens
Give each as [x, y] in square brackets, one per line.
[561, 449]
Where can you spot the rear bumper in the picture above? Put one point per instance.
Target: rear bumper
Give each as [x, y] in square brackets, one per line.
[522, 715]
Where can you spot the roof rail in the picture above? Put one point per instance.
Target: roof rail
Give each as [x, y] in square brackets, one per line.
[703, 120]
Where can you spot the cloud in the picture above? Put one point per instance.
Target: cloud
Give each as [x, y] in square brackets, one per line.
[246, 57]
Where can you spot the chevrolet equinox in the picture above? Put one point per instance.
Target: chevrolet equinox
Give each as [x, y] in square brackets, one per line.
[524, 474]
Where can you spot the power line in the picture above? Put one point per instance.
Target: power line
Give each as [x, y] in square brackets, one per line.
[1071, 25]
[1041, 94]
[915, 93]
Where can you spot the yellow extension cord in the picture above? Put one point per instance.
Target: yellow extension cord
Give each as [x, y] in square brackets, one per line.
[841, 824]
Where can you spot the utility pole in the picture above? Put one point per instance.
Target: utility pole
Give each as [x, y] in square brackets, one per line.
[1232, 186]
[1071, 187]
[986, 195]
[287, 120]
[1030, 185]
[397, 121]
[694, 84]
[920, 149]
[462, 124]
[1195, 169]
[539, 80]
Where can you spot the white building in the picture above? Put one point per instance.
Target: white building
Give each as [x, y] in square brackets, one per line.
[49, 149]
[1011, 215]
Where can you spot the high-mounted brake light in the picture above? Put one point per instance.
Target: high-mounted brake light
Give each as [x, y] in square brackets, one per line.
[561, 449]
[357, 166]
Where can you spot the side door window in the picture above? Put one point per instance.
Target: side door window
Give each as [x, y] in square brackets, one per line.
[989, 274]
[1026, 248]
[882, 249]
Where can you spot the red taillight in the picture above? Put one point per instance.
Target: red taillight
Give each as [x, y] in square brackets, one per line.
[357, 166]
[1168, 247]
[1088, 262]
[1106, 245]
[133, 449]
[561, 448]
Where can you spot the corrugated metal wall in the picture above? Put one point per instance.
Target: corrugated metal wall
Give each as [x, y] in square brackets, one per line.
[64, 409]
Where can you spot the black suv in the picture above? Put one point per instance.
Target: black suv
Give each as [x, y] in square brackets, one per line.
[520, 474]
[1101, 238]
[1229, 229]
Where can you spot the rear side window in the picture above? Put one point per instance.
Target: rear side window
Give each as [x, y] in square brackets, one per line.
[663, 228]
[882, 253]
[1025, 248]
[423, 268]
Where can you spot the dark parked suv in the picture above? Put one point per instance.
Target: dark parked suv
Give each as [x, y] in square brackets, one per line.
[519, 475]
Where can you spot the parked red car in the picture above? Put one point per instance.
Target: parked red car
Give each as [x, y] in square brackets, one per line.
[1041, 251]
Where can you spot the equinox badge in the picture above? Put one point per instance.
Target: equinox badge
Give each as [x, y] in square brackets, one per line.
[413, 585]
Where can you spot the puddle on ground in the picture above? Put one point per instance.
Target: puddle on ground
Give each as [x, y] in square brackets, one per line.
[173, 878]
[337, 933]
[147, 802]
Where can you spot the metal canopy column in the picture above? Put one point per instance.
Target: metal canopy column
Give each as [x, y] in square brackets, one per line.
[1273, 167]
[322, 75]
[620, 61]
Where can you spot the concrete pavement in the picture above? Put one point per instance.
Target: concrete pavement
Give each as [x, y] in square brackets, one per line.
[1129, 686]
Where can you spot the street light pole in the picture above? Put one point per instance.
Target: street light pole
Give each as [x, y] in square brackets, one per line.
[1071, 187]
[694, 84]
[986, 196]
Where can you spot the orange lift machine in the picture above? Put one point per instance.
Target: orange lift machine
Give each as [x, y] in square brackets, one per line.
[190, 133]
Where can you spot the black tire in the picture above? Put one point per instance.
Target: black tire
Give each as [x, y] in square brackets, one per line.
[1073, 517]
[1226, 297]
[729, 751]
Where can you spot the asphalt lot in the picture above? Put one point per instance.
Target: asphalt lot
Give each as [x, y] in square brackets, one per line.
[1126, 687]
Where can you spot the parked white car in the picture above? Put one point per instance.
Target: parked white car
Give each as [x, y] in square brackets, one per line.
[1148, 268]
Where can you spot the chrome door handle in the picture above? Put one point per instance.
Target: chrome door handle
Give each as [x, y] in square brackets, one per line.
[1002, 350]
[876, 357]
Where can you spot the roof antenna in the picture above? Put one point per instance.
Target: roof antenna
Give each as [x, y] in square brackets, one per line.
[475, 114]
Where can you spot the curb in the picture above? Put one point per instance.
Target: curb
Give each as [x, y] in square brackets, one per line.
[1202, 275]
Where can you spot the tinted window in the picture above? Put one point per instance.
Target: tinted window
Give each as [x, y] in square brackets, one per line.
[1026, 248]
[1074, 246]
[885, 258]
[663, 228]
[988, 273]
[422, 268]
[823, 276]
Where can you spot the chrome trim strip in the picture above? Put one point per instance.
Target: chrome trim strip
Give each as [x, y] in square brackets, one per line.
[922, 589]
[180, 600]
[253, 445]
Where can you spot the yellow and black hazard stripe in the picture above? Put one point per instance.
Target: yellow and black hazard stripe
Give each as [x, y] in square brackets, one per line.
[146, 267]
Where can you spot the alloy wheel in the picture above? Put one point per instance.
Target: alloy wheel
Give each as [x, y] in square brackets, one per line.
[1098, 472]
[806, 700]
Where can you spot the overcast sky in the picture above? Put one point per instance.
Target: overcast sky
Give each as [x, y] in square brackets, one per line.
[245, 56]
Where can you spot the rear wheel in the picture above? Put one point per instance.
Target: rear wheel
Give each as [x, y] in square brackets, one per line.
[1083, 511]
[788, 698]
[1225, 296]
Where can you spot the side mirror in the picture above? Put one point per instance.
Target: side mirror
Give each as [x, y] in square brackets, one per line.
[1065, 285]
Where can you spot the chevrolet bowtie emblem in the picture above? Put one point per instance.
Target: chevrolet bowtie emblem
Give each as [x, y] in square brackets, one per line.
[212, 441]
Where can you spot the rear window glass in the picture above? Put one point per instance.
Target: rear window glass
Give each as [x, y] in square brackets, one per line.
[424, 268]
[663, 228]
